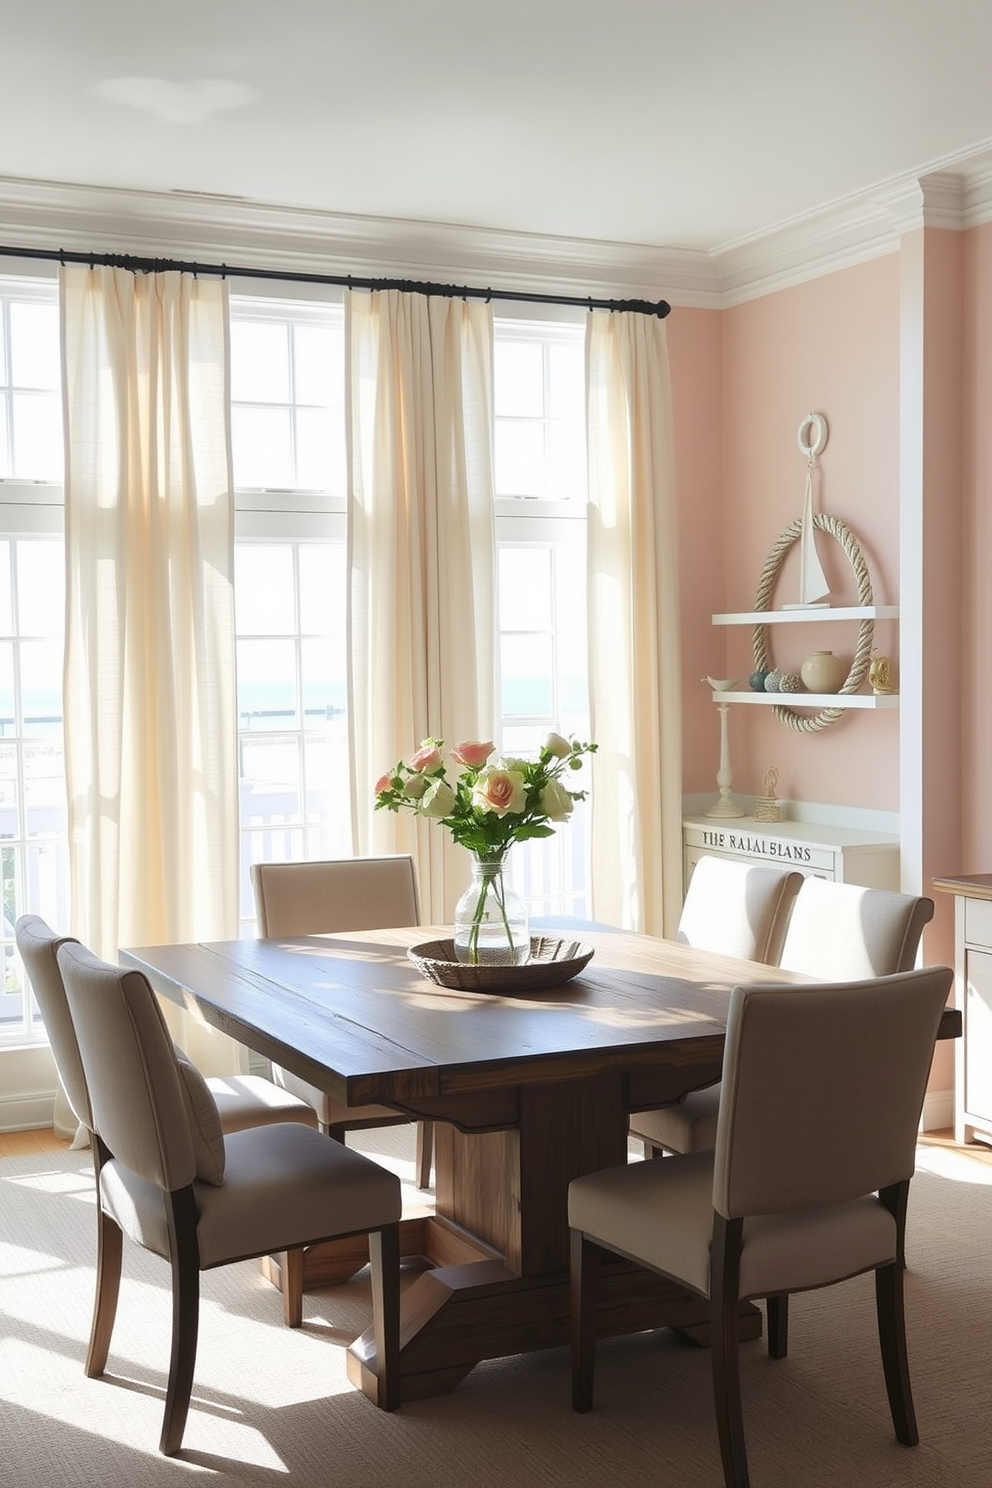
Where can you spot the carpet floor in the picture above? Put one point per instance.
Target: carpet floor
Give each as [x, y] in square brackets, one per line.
[274, 1407]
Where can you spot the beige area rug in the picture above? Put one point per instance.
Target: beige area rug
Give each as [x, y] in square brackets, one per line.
[274, 1407]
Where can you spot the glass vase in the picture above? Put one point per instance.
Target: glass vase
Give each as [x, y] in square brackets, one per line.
[491, 918]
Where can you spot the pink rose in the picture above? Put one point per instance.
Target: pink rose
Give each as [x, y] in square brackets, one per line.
[473, 753]
[500, 791]
[384, 783]
[427, 758]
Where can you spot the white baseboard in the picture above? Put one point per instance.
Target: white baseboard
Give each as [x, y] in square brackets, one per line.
[938, 1111]
[26, 1112]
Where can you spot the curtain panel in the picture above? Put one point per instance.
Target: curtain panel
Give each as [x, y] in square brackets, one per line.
[421, 556]
[634, 648]
[150, 707]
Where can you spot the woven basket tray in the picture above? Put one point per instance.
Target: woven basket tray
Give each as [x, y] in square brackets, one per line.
[552, 963]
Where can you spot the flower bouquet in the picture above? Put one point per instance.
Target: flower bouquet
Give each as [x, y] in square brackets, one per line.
[487, 806]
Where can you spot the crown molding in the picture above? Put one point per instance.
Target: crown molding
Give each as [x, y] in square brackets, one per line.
[220, 229]
[955, 194]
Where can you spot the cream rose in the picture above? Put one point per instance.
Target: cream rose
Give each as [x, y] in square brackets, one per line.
[499, 790]
[558, 746]
[438, 800]
[414, 786]
[556, 802]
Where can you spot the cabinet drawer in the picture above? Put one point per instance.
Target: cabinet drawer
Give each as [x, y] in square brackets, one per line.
[978, 922]
[978, 1035]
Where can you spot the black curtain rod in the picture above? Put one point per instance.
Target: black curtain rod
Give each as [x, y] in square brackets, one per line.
[348, 281]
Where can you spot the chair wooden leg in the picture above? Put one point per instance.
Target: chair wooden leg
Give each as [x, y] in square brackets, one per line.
[585, 1265]
[725, 1270]
[384, 1255]
[185, 1317]
[778, 1325]
[109, 1247]
[892, 1342]
[425, 1152]
[291, 1265]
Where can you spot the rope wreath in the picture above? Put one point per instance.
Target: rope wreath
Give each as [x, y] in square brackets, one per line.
[811, 723]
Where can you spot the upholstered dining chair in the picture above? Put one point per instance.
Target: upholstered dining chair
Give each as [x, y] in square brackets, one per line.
[836, 932]
[807, 1186]
[736, 909]
[170, 1179]
[242, 1100]
[310, 898]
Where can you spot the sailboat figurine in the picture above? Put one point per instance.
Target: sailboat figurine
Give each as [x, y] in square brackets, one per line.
[813, 587]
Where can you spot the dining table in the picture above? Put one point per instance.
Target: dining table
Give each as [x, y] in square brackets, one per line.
[527, 1088]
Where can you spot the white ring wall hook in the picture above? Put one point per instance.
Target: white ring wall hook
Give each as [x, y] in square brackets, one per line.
[811, 447]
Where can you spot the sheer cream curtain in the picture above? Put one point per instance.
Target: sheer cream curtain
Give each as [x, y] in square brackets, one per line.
[421, 556]
[150, 709]
[635, 675]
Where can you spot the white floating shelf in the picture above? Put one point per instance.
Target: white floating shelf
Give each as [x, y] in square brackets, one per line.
[816, 700]
[801, 615]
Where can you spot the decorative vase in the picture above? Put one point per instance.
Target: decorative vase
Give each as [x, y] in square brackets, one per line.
[824, 672]
[791, 682]
[490, 918]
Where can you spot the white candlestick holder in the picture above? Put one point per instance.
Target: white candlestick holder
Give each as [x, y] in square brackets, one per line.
[726, 805]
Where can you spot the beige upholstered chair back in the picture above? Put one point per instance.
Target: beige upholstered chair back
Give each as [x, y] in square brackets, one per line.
[839, 932]
[135, 1088]
[738, 909]
[38, 946]
[823, 1089]
[339, 894]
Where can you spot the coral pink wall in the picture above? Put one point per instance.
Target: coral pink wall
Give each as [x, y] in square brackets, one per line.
[695, 350]
[830, 346]
[976, 607]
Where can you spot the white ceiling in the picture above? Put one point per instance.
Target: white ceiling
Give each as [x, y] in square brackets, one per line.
[684, 124]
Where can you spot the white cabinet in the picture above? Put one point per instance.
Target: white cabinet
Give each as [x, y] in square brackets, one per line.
[845, 854]
[973, 996]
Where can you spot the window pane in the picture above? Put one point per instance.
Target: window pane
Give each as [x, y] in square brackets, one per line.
[518, 379]
[6, 598]
[264, 589]
[41, 688]
[567, 382]
[5, 469]
[37, 436]
[323, 596]
[525, 592]
[519, 458]
[324, 685]
[319, 366]
[44, 790]
[526, 671]
[259, 361]
[35, 352]
[267, 685]
[9, 791]
[8, 721]
[319, 452]
[40, 588]
[263, 448]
